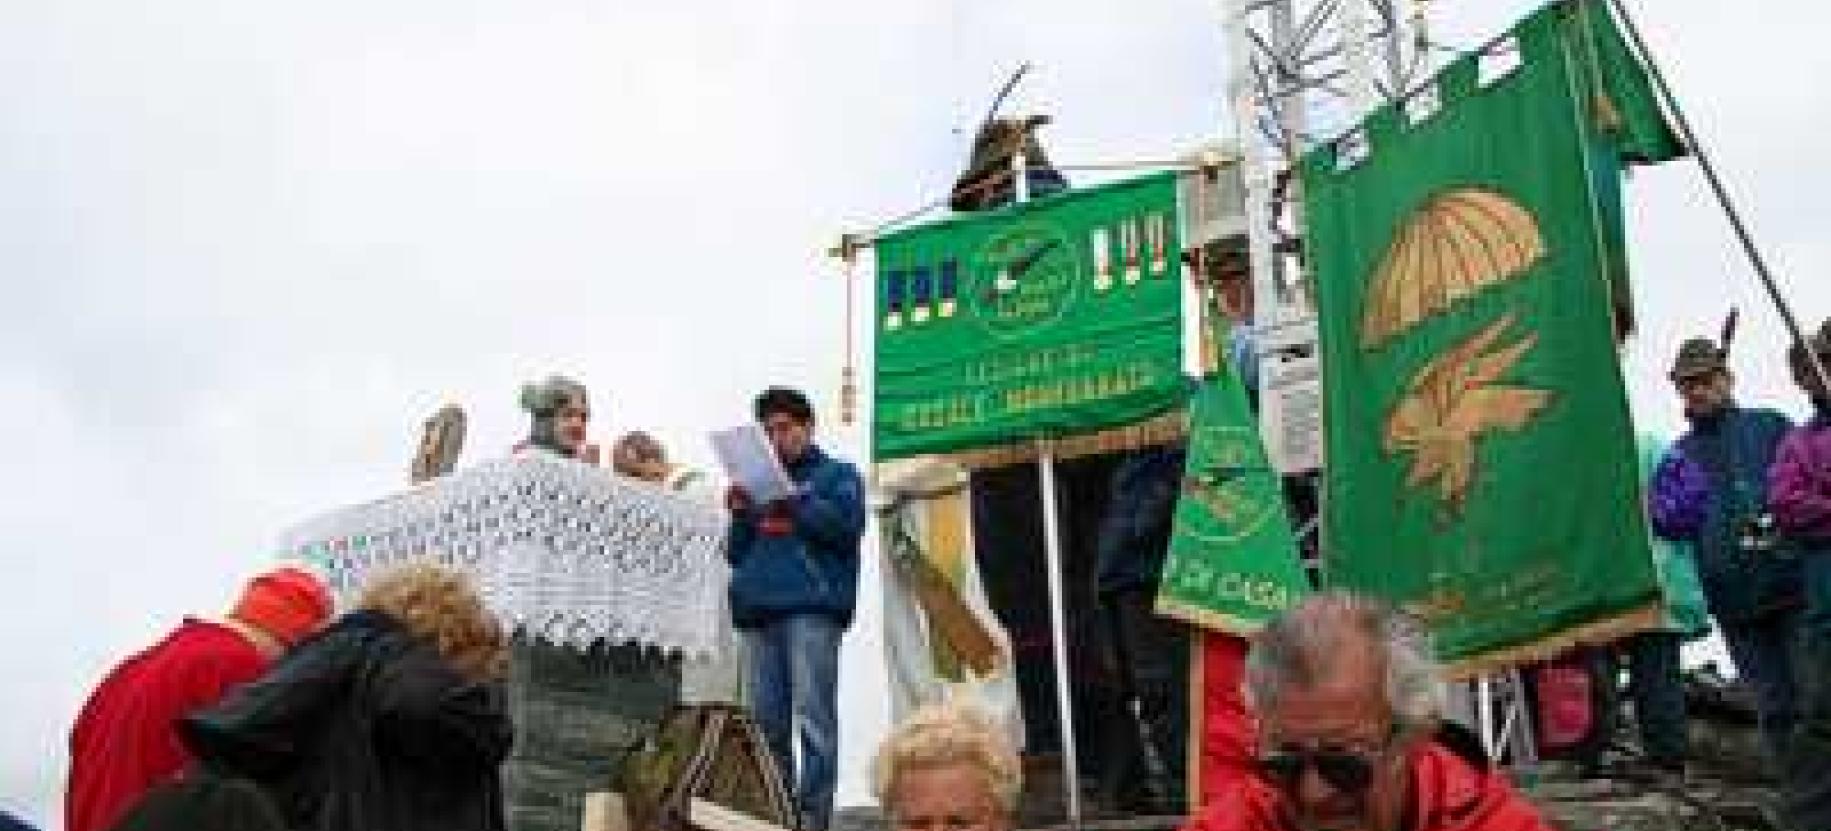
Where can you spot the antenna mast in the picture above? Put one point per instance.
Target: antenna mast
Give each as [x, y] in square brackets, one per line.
[1302, 72]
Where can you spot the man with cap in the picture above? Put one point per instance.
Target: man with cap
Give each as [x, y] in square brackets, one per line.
[1799, 489]
[1711, 490]
[125, 740]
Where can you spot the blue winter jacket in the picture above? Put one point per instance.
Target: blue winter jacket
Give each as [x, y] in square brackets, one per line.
[813, 568]
[1712, 481]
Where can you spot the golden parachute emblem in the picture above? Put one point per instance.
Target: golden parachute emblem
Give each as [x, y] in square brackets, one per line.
[1453, 246]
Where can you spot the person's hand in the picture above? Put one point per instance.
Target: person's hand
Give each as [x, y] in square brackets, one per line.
[590, 454]
[737, 500]
[777, 520]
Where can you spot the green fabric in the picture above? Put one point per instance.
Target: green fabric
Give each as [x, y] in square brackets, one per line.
[1674, 561]
[1233, 562]
[1481, 464]
[1633, 131]
[962, 364]
[1639, 131]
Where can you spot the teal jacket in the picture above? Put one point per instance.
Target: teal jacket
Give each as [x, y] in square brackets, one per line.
[1674, 561]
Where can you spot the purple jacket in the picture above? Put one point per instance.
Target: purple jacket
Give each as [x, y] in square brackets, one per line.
[1799, 485]
[1679, 500]
[1712, 482]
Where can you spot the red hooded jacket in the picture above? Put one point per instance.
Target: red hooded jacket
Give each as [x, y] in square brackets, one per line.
[126, 741]
[1451, 790]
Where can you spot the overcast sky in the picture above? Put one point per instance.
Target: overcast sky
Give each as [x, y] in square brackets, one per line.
[247, 246]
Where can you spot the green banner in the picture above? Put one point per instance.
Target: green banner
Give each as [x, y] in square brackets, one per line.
[1233, 561]
[1056, 317]
[1481, 464]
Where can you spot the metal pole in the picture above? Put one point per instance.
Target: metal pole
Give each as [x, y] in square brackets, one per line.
[1484, 709]
[1743, 235]
[1058, 621]
[1253, 166]
[1528, 751]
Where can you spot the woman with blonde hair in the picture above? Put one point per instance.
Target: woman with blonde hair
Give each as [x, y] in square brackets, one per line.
[393, 719]
[948, 767]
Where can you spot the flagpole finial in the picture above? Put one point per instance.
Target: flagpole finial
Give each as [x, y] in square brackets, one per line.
[847, 248]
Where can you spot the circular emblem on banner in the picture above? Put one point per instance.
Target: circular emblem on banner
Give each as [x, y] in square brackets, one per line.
[1023, 278]
[1234, 487]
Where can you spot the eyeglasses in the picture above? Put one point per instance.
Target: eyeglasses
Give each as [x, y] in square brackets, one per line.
[1348, 771]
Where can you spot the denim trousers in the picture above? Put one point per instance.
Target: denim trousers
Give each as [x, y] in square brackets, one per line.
[794, 691]
[1764, 652]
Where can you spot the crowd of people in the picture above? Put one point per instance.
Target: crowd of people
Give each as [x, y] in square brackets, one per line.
[392, 715]
[1750, 493]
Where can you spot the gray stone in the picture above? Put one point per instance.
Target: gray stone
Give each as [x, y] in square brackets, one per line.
[577, 712]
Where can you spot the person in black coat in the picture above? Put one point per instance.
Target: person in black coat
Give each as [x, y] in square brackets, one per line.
[393, 719]
[201, 803]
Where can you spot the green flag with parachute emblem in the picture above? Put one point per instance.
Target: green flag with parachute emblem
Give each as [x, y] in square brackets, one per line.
[1466, 249]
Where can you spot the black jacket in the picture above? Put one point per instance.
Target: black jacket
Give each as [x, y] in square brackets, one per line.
[364, 728]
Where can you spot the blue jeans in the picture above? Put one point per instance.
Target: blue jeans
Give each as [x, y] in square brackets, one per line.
[1658, 693]
[1764, 653]
[794, 681]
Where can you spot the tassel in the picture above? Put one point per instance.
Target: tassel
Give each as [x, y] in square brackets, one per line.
[848, 377]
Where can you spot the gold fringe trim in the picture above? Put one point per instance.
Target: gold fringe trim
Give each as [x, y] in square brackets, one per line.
[1607, 630]
[1169, 427]
[1210, 619]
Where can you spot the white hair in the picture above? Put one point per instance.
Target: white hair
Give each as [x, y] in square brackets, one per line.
[944, 734]
[1300, 648]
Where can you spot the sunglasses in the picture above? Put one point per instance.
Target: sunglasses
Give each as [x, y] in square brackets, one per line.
[1348, 771]
[1345, 771]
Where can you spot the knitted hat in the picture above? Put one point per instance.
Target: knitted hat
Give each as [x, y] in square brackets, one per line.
[1697, 356]
[286, 603]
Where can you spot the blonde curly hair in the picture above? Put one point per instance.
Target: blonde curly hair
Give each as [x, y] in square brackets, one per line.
[946, 734]
[440, 605]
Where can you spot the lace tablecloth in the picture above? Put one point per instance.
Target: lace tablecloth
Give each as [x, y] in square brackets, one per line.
[563, 551]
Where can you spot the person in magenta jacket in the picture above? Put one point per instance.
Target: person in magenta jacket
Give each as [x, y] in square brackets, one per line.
[1799, 492]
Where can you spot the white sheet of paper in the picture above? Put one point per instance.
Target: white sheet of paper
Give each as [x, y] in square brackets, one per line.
[750, 462]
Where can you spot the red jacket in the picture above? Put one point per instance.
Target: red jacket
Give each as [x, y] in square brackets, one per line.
[125, 740]
[1449, 792]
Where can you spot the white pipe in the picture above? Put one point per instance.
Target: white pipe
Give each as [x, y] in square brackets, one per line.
[1058, 620]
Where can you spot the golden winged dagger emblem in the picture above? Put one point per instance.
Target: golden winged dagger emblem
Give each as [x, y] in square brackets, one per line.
[1452, 402]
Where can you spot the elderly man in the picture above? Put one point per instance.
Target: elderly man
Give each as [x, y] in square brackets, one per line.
[1711, 490]
[1346, 696]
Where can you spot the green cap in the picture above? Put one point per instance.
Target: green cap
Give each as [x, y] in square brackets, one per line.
[1698, 356]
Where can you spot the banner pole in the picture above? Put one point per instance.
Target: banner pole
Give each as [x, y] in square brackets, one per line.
[1058, 620]
[1718, 188]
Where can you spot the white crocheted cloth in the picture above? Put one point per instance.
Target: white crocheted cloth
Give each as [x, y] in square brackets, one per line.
[563, 551]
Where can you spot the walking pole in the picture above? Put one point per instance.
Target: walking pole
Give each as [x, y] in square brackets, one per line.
[1058, 622]
[1743, 235]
